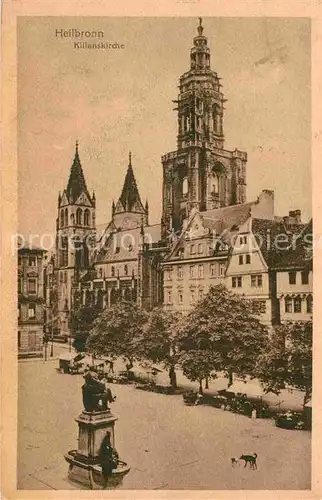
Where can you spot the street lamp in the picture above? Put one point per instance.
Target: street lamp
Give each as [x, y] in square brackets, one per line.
[67, 313]
[52, 342]
[45, 341]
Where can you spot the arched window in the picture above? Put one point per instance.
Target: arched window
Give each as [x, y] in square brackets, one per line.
[185, 186]
[215, 184]
[126, 270]
[66, 217]
[62, 218]
[86, 217]
[79, 214]
[113, 296]
[216, 118]
[112, 271]
[127, 294]
[87, 298]
[100, 301]
[72, 219]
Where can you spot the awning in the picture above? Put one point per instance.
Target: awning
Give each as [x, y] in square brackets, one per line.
[252, 388]
[67, 356]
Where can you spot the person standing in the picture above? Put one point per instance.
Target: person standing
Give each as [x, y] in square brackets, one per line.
[108, 458]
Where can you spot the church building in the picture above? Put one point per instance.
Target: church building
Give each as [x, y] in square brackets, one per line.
[204, 215]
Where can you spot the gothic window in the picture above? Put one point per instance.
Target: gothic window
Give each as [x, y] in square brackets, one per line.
[113, 296]
[62, 218]
[100, 297]
[169, 194]
[64, 251]
[297, 304]
[87, 298]
[185, 186]
[66, 217]
[127, 294]
[216, 118]
[288, 305]
[86, 217]
[79, 214]
[305, 277]
[72, 219]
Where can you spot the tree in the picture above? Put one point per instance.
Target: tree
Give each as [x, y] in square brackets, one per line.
[221, 334]
[158, 341]
[287, 359]
[117, 331]
[82, 322]
[198, 365]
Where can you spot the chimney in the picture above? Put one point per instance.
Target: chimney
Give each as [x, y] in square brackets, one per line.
[295, 216]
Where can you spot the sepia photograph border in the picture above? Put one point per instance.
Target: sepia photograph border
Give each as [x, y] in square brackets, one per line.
[9, 221]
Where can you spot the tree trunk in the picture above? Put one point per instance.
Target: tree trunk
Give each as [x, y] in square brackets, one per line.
[207, 383]
[200, 386]
[173, 377]
[230, 379]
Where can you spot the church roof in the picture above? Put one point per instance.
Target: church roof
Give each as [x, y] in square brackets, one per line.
[76, 183]
[125, 245]
[129, 200]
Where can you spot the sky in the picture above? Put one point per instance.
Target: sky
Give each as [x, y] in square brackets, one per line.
[116, 101]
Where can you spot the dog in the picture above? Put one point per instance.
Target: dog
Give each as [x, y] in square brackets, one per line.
[234, 461]
[250, 459]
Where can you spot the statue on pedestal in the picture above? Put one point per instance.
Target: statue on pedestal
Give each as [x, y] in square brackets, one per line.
[96, 395]
[96, 464]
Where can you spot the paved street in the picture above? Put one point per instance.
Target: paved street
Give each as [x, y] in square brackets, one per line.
[168, 445]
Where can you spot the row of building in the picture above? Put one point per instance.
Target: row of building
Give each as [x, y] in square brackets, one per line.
[208, 233]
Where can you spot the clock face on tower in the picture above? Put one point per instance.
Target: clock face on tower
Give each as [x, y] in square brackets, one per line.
[126, 222]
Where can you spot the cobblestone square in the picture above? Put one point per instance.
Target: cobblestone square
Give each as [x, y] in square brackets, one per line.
[168, 445]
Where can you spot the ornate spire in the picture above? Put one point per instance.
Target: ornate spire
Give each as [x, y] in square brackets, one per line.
[76, 183]
[129, 200]
[200, 27]
[200, 53]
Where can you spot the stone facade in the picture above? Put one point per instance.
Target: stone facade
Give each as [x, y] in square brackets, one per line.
[30, 301]
[200, 174]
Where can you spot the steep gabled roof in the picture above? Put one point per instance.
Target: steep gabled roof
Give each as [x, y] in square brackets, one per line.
[129, 200]
[76, 182]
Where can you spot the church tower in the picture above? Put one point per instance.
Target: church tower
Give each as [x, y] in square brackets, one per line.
[75, 238]
[129, 212]
[200, 173]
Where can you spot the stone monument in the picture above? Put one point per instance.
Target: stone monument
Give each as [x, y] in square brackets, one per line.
[94, 423]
